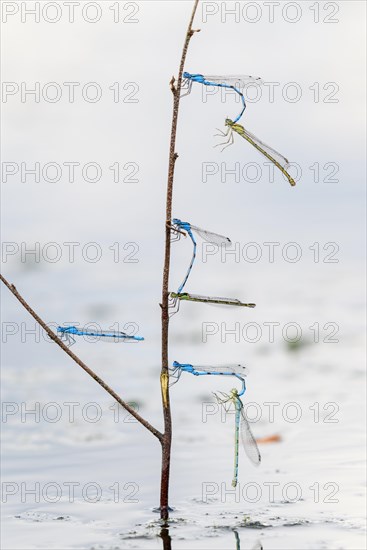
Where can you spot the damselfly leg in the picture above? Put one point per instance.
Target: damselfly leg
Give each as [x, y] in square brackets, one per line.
[175, 374]
[221, 133]
[176, 233]
[229, 141]
[173, 305]
[67, 339]
[187, 86]
[223, 399]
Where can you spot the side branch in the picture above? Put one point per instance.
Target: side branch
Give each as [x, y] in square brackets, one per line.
[79, 362]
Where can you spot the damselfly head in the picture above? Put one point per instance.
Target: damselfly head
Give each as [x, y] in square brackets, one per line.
[69, 329]
[234, 392]
[229, 122]
[179, 225]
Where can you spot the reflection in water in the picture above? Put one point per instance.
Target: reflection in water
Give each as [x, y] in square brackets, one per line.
[238, 541]
[258, 545]
[165, 536]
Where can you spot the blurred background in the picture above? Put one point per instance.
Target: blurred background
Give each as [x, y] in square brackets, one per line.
[84, 169]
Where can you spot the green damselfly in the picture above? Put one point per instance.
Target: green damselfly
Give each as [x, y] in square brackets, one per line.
[177, 297]
[276, 158]
[241, 426]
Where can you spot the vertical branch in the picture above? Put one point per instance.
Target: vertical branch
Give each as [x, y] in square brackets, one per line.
[167, 437]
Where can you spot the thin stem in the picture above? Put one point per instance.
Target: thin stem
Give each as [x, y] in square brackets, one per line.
[79, 362]
[167, 437]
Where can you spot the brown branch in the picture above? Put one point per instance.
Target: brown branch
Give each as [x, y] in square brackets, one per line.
[167, 437]
[79, 362]
[171, 168]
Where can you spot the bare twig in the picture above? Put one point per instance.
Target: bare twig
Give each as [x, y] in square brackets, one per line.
[79, 362]
[167, 437]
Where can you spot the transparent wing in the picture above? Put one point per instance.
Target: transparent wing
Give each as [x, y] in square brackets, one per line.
[112, 336]
[211, 237]
[217, 300]
[278, 156]
[230, 369]
[233, 79]
[248, 440]
[118, 339]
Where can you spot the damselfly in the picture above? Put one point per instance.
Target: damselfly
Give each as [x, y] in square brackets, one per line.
[276, 158]
[232, 82]
[67, 335]
[226, 370]
[208, 236]
[241, 426]
[176, 297]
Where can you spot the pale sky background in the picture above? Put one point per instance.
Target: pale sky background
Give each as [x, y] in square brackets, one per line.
[147, 53]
